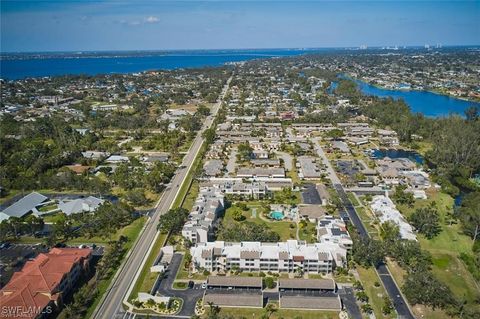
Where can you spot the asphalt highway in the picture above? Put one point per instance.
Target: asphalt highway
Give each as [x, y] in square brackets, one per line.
[111, 305]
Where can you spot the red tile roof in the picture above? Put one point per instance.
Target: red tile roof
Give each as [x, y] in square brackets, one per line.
[37, 284]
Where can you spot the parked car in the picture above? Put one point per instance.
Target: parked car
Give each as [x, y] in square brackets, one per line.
[191, 284]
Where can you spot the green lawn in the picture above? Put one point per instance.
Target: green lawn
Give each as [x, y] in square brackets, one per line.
[353, 199]
[52, 218]
[294, 176]
[191, 196]
[146, 279]
[131, 231]
[451, 271]
[368, 221]
[47, 208]
[309, 233]
[369, 277]
[280, 313]
[445, 249]
[182, 193]
[182, 273]
[282, 228]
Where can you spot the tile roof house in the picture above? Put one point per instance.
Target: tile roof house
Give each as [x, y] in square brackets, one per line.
[43, 280]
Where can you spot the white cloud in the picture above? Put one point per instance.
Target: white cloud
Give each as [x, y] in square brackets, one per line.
[152, 19]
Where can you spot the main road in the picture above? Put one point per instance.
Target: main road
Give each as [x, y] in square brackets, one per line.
[122, 283]
[391, 287]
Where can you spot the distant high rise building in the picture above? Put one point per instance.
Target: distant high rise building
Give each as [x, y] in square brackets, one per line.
[363, 47]
[427, 46]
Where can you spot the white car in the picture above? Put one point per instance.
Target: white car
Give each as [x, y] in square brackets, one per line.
[204, 285]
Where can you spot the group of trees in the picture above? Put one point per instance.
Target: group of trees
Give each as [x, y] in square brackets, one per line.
[15, 226]
[104, 223]
[426, 221]
[421, 286]
[400, 196]
[246, 231]
[85, 296]
[173, 220]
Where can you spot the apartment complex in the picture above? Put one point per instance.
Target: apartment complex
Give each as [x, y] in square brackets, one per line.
[332, 230]
[37, 289]
[289, 256]
[200, 224]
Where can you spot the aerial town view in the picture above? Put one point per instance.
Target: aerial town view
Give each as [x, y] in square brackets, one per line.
[236, 160]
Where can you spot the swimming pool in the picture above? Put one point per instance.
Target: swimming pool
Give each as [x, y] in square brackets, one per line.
[277, 215]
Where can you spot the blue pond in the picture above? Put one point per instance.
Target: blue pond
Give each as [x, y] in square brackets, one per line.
[393, 153]
[277, 215]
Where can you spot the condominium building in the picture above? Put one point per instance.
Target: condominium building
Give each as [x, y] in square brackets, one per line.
[200, 224]
[331, 230]
[38, 288]
[289, 256]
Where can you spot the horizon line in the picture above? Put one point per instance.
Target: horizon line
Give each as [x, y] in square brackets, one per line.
[432, 46]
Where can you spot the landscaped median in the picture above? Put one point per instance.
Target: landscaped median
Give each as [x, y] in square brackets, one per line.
[162, 305]
[146, 278]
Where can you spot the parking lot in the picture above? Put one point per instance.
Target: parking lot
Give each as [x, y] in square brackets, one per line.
[310, 195]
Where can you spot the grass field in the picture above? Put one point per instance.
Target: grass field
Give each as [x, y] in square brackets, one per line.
[369, 277]
[368, 221]
[52, 218]
[445, 249]
[309, 233]
[131, 231]
[191, 196]
[146, 279]
[280, 313]
[282, 228]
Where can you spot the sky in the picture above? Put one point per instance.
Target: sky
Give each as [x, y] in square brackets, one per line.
[81, 25]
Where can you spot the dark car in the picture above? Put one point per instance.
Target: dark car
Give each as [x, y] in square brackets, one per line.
[5, 245]
[190, 284]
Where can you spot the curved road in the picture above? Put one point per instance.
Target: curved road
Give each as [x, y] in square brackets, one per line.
[122, 283]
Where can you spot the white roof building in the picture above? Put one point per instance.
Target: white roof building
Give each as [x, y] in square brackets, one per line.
[203, 215]
[89, 204]
[386, 210]
[277, 257]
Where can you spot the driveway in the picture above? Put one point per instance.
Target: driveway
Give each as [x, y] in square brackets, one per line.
[164, 288]
[349, 302]
[287, 160]
[232, 161]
